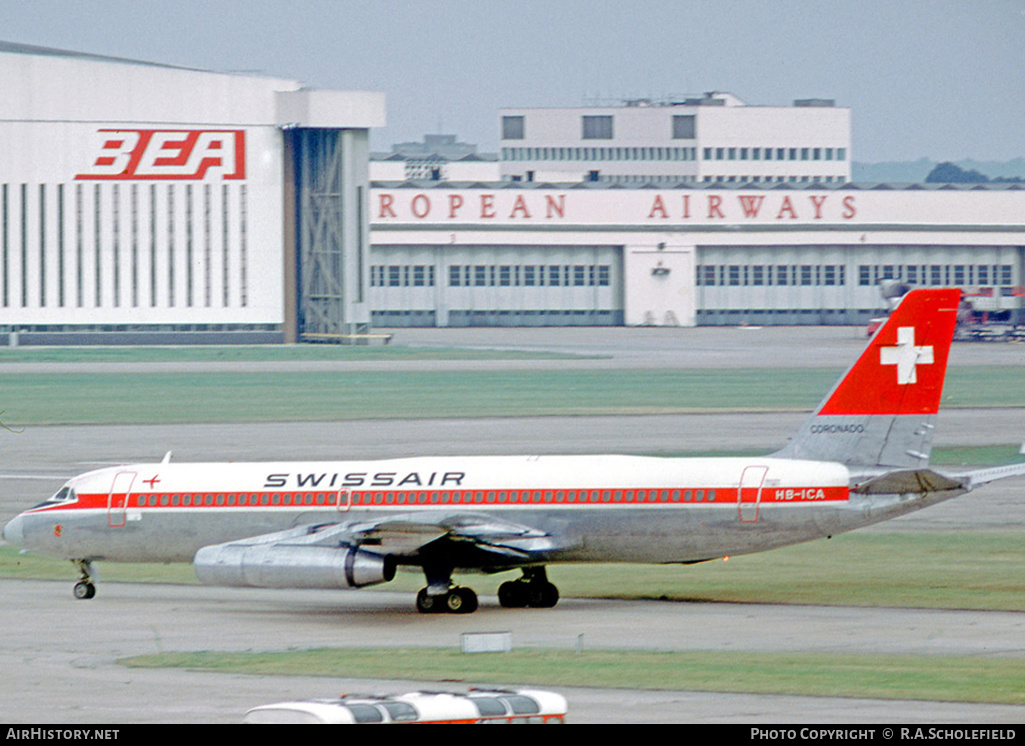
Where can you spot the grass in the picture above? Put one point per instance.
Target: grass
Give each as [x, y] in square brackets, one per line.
[937, 678]
[160, 398]
[913, 569]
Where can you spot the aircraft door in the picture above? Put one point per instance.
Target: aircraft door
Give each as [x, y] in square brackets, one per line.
[749, 496]
[117, 498]
[343, 500]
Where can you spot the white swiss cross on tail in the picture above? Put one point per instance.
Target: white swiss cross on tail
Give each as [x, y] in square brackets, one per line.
[906, 356]
[912, 347]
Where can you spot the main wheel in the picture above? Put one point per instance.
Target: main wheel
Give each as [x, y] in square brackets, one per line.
[426, 603]
[513, 594]
[461, 601]
[84, 589]
[543, 595]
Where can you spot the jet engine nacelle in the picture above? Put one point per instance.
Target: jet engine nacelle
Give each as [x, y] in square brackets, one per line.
[291, 566]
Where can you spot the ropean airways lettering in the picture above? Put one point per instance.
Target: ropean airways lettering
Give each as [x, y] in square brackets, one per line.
[364, 479]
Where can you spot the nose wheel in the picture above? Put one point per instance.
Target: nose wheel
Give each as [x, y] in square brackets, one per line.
[84, 588]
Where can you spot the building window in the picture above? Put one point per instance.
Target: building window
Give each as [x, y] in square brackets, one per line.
[684, 126]
[512, 128]
[597, 127]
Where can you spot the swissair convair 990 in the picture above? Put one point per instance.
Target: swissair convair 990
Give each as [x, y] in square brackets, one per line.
[860, 458]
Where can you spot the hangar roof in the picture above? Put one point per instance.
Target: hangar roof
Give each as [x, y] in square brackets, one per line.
[10, 47]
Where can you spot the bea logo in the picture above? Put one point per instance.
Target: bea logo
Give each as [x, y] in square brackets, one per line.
[160, 155]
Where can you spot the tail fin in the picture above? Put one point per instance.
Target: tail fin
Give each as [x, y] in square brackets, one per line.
[882, 412]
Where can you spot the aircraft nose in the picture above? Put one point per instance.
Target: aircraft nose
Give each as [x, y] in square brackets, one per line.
[14, 531]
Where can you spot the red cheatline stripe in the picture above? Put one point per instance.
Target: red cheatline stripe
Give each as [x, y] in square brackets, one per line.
[406, 499]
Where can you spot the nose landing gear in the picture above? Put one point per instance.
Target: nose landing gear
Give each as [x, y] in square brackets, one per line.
[84, 588]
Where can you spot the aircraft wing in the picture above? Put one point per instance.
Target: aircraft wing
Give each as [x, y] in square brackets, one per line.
[408, 534]
[357, 553]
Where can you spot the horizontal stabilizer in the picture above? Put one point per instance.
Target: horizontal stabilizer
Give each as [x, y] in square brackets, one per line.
[917, 481]
[985, 476]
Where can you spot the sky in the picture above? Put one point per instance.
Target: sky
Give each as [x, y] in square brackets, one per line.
[923, 78]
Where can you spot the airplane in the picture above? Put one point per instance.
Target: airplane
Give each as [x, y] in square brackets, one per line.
[860, 458]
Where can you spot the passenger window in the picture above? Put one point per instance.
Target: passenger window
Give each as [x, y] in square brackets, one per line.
[366, 714]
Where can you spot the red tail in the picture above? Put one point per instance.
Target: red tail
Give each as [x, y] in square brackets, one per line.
[902, 370]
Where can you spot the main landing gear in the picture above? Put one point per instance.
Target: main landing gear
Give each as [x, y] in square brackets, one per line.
[84, 588]
[440, 596]
[533, 590]
[453, 601]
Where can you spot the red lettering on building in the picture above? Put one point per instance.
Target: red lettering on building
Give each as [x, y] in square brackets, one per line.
[386, 210]
[555, 208]
[455, 201]
[421, 206]
[161, 155]
[520, 206]
[751, 204]
[787, 207]
[818, 202]
[848, 207]
[487, 205]
[686, 206]
[715, 206]
[658, 207]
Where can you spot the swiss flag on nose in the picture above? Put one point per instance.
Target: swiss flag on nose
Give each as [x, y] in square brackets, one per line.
[902, 370]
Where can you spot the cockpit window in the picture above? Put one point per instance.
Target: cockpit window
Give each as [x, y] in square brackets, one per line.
[64, 495]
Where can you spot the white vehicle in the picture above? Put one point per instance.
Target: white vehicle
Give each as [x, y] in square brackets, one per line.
[862, 457]
[478, 706]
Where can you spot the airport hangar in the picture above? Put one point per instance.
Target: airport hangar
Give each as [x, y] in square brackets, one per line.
[152, 203]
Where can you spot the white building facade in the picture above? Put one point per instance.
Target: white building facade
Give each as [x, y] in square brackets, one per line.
[714, 139]
[593, 254]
